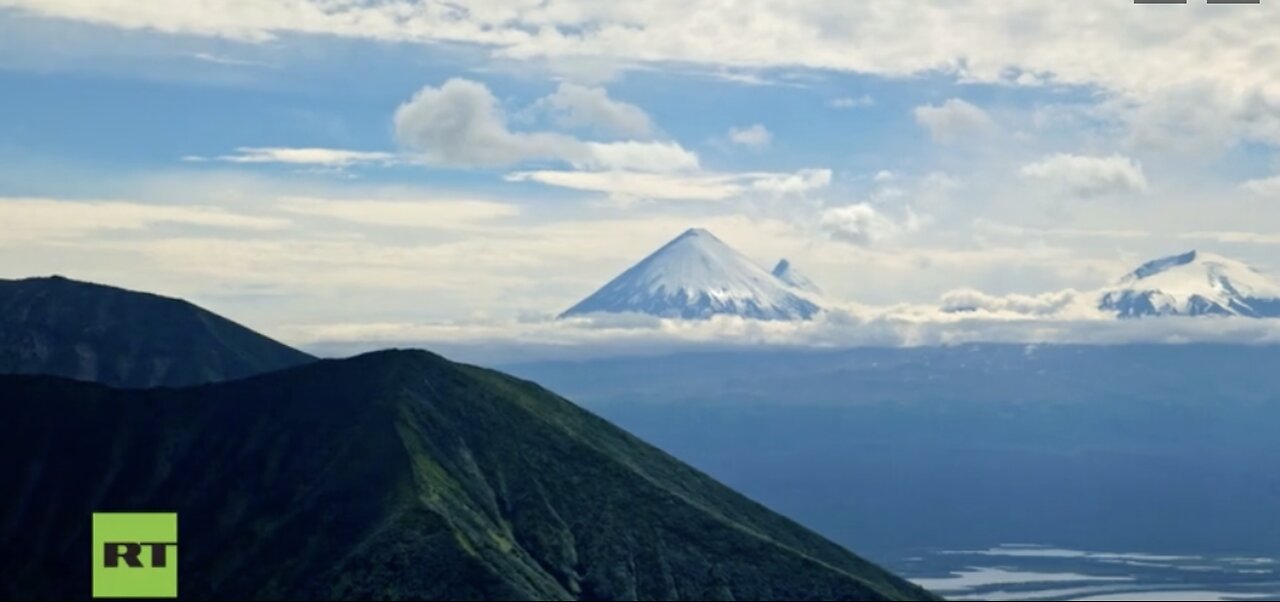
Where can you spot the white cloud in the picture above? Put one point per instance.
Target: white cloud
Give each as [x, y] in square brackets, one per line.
[640, 156]
[700, 186]
[1043, 305]
[1267, 187]
[1087, 177]
[460, 123]
[755, 136]
[450, 214]
[852, 102]
[799, 182]
[1199, 117]
[863, 224]
[748, 78]
[839, 327]
[328, 157]
[953, 120]
[1139, 56]
[573, 105]
[1233, 237]
[990, 227]
[630, 185]
[44, 219]
[226, 60]
[889, 209]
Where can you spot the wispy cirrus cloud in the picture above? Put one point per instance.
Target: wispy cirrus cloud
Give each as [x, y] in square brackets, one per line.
[327, 157]
[48, 219]
[231, 61]
[852, 102]
[697, 186]
[430, 214]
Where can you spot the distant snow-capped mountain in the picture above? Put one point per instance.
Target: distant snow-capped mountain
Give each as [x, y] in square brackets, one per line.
[696, 276]
[1193, 284]
[788, 274]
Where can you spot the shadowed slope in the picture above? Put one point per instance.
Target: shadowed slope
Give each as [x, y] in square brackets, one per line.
[390, 475]
[124, 338]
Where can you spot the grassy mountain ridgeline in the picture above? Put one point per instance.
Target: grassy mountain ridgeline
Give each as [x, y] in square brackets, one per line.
[124, 338]
[391, 475]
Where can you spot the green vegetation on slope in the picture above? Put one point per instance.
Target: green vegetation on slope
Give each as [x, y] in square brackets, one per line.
[124, 338]
[391, 475]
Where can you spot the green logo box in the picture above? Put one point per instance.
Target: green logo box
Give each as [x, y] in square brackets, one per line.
[135, 555]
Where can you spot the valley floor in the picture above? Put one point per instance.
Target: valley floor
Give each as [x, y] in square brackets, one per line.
[1036, 572]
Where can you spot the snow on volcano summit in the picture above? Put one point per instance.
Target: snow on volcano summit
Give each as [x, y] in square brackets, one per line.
[696, 276]
[1193, 284]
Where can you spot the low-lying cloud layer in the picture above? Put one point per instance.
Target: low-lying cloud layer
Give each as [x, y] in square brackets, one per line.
[851, 326]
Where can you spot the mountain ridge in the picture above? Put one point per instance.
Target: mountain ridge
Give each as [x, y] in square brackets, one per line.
[1193, 283]
[453, 480]
[787, 273]
[95, 332]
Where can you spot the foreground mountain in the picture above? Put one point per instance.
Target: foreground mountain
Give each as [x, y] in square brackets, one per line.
[124, 338]
[697, 276]
[393, 475]
[1193, 284]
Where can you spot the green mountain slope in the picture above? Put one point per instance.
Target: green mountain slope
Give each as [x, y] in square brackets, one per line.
[125, 338]
[395, 474]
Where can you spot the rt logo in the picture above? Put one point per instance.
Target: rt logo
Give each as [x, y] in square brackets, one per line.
[135, 555]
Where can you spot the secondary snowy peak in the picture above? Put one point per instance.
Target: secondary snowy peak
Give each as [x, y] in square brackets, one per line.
[1193, 284]
[788, 274]
[696, 276]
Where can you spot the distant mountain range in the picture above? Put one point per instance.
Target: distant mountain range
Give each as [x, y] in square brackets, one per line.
[1193, 284]
[124, 338]
[392, 475]
[697, 276]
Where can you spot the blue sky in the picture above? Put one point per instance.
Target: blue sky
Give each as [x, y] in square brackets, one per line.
[318, 167]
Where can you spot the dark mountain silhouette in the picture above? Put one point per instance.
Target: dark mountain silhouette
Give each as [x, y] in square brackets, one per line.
[124, 338]
[395, 474]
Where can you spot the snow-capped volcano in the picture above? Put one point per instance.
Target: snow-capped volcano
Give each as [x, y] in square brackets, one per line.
[697, 276]
[1193, 284]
